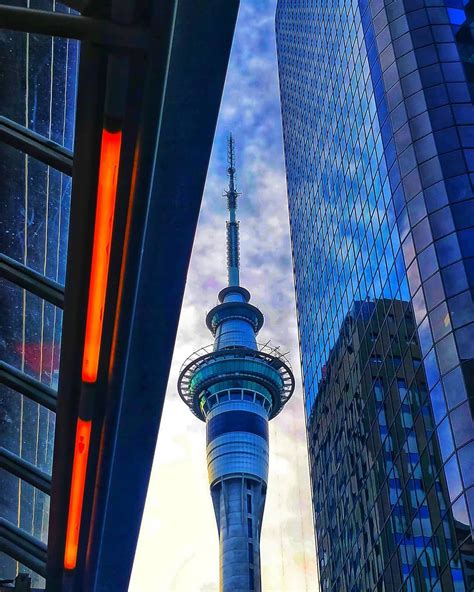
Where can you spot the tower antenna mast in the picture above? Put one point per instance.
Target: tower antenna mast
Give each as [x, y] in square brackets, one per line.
[233, 246]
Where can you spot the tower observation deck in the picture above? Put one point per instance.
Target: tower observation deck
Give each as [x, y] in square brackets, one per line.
[236, 386]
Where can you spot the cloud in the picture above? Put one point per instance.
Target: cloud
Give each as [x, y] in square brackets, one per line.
[178, 544]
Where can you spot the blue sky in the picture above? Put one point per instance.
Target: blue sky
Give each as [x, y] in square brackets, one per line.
[178, 544]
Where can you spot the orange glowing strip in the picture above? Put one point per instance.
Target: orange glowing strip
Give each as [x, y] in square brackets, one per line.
[104, 221]
[79, 468]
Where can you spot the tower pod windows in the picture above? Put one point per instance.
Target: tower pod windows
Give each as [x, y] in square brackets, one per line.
[208, 401]
[248, 396]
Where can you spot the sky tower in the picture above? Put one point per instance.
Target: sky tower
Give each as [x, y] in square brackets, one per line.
[236, 386]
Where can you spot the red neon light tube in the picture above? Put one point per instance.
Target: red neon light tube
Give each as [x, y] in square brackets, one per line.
[79, 469]
[104, 221]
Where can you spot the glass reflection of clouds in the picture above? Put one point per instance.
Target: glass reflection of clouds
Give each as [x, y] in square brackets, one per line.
[381, 212]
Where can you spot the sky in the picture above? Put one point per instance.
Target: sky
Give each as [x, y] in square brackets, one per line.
[178, 545]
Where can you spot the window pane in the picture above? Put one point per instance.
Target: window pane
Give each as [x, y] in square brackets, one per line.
[30, 333]
[440, 321]
[454, 388]
[461, 308]
[453, 478]
[445, 436]
[34, 220]
[9, 569]
[38, 81]
[466, 460]
[461, 423]
[447, 354]
[465, 342]
[26, 428]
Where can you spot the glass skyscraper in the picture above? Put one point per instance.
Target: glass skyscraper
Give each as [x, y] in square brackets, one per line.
[378, 123]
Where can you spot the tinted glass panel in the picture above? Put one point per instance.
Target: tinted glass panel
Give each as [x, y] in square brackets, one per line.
[38, 82]
[237, 421]
[30, 331]
[34, 223]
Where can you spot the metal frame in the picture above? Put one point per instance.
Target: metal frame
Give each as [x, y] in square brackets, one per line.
[84, 28]
[19, 544]
[35, 145]
[266, 353]
[31, 280]
[25, 470]
[28, 386]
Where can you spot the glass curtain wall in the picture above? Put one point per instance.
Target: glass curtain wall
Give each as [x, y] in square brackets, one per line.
[38, 77]
[350, 175]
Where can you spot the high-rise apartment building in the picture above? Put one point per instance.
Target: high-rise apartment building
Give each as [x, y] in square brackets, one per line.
[378, 127]
[236, 386]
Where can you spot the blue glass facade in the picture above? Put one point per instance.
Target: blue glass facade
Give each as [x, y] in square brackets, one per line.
[37, 91]
[378, 132]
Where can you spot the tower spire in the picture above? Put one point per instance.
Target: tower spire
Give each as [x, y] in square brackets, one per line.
[233, 250]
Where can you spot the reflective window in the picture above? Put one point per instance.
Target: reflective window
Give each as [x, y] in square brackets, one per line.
[447, 354]
[453, 477]
[466, 461]
[461, 308]
[448, 250]
[465, 342]
[236, 421]
[461, 422]
[445, 436]
[38, 76]
[454, 278]
[454, 388]
[440, 321]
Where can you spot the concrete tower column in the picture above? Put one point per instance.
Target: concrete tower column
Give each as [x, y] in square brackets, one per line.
[238, 505]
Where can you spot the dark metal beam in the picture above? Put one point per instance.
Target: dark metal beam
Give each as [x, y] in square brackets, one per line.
[72, 26]
[183, 75]
[89, 120]
[25, 470]
[30, 280]
[35, 145]
[27, 386]
[78, 5]
[23, 547]
[166, 206]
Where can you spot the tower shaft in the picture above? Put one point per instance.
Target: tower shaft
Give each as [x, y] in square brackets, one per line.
[238, 505]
